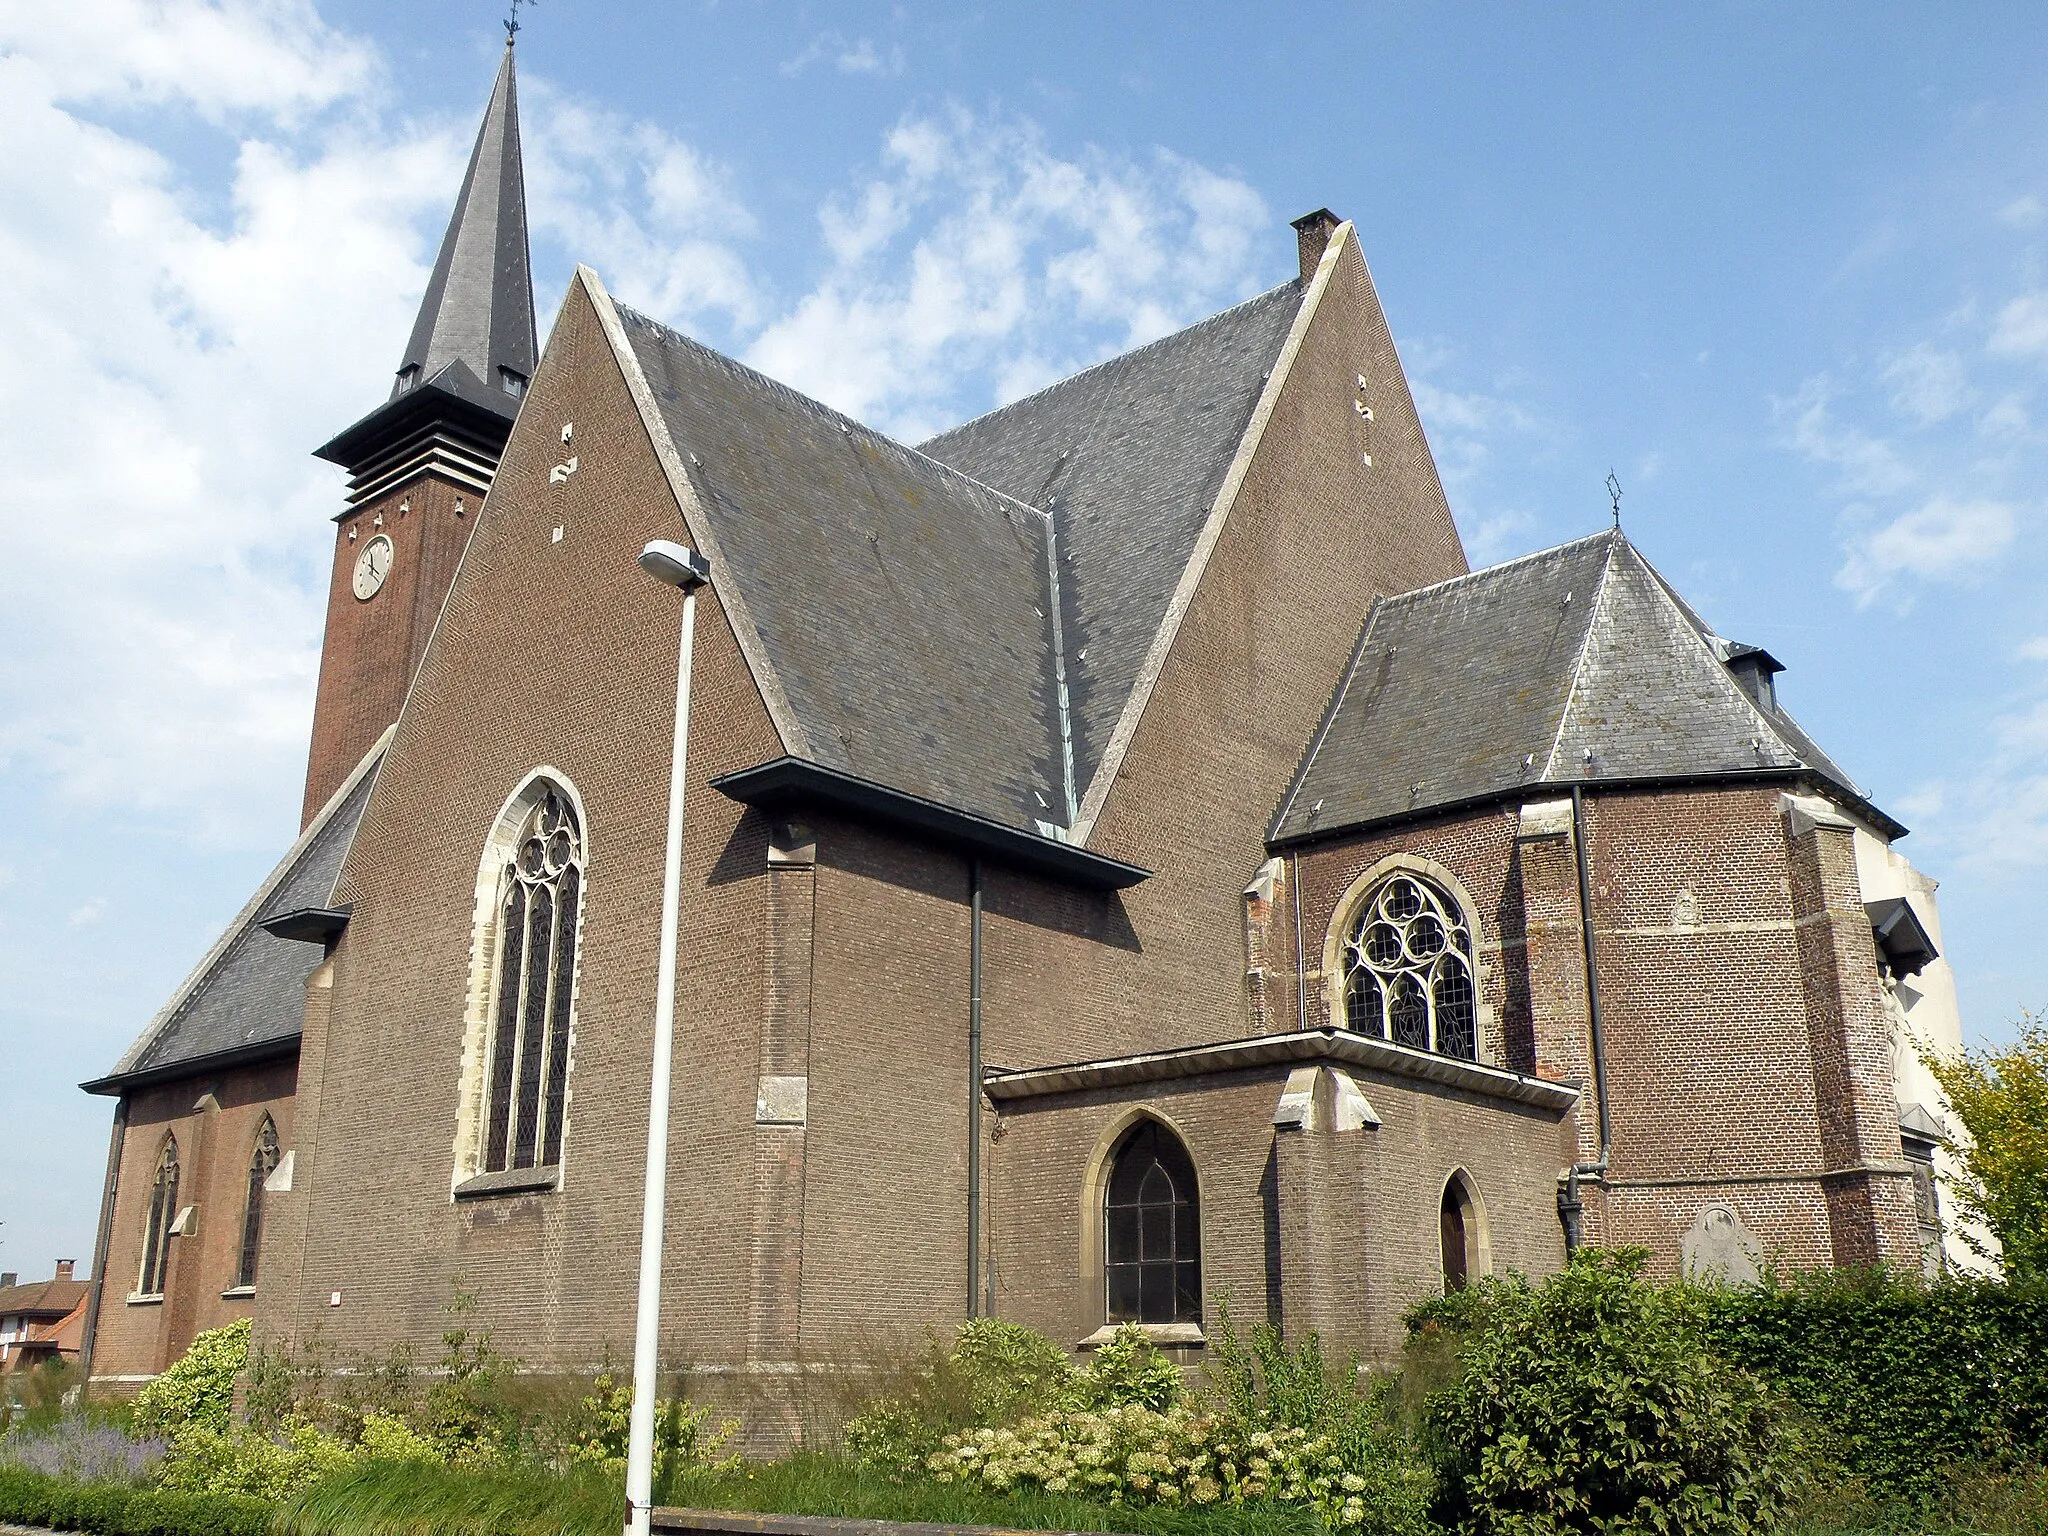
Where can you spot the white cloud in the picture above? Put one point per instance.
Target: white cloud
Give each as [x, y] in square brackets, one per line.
[974, 243]
[1928, 384]
[1945, 539]
[90, 913]
[2023, 212]
[2021, 329]
[2035, 649]
[1868, 465]
[858, 57]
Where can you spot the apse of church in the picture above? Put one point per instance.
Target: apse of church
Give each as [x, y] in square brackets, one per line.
[1328, 923]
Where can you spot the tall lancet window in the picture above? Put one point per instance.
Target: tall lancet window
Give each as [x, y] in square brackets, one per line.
[262, 1164]
[163, 1211]
[526, 1070]
[1408, 969]
[1152, 1230]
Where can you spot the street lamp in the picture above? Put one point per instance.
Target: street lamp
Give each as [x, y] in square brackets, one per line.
[673, 565]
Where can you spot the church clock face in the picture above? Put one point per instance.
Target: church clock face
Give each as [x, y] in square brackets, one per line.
[372, 566]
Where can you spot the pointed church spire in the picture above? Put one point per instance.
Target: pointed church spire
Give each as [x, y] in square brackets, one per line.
[478, 308]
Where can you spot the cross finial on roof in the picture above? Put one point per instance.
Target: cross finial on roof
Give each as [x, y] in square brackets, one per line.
[512, 20]
[1614, 495]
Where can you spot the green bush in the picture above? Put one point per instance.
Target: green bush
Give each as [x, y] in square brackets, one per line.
[30, 1498]
[995, 1373]
[1909, 1378]
[1128, 1371]
[198, 1389]
[1591, 1403]
[681, 1442]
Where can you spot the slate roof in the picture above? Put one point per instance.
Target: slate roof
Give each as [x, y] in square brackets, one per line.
[1128, 458]
[250, 990]
[902, 605]
[1578, 665]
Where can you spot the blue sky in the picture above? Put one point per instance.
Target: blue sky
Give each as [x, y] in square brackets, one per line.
[1784, 269]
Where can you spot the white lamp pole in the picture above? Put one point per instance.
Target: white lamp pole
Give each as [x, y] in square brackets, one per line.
[675, 566]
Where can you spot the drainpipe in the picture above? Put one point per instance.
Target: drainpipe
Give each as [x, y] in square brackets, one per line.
[1300, 963]
[1570, 1209]
[974, 1087]
[111, 1187]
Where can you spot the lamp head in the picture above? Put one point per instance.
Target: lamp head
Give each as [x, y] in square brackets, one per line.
[673, 564]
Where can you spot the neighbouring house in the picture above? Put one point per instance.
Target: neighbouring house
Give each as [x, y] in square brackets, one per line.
[1129, 858]
[43, 1320]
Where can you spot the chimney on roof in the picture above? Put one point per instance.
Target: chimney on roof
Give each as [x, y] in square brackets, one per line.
[7, 1278]
[1313, 231]
[64, 1268]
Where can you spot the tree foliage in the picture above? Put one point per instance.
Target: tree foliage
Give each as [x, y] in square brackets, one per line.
[2001, 1097]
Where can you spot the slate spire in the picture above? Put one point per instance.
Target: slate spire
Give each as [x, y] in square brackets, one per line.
[478, 308]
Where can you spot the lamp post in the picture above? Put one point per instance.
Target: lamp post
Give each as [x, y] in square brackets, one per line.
[673, 565]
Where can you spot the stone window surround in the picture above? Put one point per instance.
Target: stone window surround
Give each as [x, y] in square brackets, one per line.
[1359, 891]
[466, 1180]
[1092, 1269]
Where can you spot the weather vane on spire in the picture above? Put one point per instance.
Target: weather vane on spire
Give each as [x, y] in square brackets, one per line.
[512, 21]
[1613, 481]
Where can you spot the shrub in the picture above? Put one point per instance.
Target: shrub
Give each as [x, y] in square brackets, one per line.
[198, 1389]
[1590, 1403]
[995, 1373]
[244, 1462]
[32, 1498]
[1128, 1371]
[1909, 1378]
[82, 1448]
[681, 1442]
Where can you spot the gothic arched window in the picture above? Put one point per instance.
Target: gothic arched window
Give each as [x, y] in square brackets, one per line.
[1408, 969]
[262, 1164]
[163, 1211]
[1152, 1230]
[527, 1066]
[1456, 1221]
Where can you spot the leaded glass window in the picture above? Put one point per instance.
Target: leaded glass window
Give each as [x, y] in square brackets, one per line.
[262, 1164]
[526, 1074]
[1152, 1237]
[1408, 969]
[163, 1210]
[1456, 1226]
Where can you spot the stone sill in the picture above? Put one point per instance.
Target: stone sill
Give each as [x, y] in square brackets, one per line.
[239, 1293]
[510, 1181]
[137, 1299]
[1165, 1335]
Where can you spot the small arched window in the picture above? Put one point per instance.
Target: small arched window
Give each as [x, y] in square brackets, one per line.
[527, 1067]
[1459, 1228]
[1408, 969]
[1152, 1232]
[262, 1164]
[163, 1211]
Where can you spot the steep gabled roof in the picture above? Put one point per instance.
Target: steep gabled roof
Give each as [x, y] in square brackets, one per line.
[43, 1299]
[1128, 457]
[903, 607]
[248, 996]
[1578, 665]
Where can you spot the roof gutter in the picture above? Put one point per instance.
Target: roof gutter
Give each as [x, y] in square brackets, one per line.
[1278, 841]
[789, 781]
[274, 1049]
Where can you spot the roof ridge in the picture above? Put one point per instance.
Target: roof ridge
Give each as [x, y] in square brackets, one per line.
[1564, 715]
[1504, 565]
[1110, 362]
[814, 404]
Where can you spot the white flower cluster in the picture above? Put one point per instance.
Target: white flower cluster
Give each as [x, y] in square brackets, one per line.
[1135, 1455]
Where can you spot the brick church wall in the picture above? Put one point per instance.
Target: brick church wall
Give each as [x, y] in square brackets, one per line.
[139, 1338]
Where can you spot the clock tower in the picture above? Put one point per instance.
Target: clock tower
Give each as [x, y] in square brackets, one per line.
[420, 463]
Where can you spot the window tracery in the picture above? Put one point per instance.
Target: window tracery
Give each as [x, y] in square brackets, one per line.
[1152, 1259]
[527, 1068]
[163, 1211]
[262, 1164]
[1408, 974]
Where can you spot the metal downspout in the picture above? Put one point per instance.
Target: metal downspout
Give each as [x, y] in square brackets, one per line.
[974, 1088]
[1300, 964]
[1570, 1209]
[111, 1187]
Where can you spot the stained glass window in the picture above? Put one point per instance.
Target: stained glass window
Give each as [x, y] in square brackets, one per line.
[526, 1076]
[1152, 1240]
[262, 1164]
[163, 1210]
[1408, 970]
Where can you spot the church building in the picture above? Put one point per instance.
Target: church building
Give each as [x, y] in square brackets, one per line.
[1129, 861]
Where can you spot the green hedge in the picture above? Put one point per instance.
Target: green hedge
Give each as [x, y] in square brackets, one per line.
[1909, 1378]
[31, 1498]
